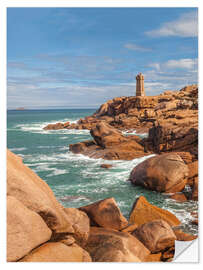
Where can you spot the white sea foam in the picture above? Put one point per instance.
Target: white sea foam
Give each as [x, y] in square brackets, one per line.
[102, 180]
[57, 172]
[18, 149]
[38, 127]
[45, 167]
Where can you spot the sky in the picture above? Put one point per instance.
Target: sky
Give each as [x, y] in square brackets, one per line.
[82, 57]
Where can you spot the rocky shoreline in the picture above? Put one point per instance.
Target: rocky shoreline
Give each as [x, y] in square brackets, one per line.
[40, 229]
[171, 120]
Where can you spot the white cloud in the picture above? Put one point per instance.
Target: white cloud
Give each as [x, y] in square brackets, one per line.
[185, 63]
[185, 26]
[190, 64]
[135, 47]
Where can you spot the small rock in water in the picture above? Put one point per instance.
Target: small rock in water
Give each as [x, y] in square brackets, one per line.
[195, 222]
[180, 197]
[106, 166]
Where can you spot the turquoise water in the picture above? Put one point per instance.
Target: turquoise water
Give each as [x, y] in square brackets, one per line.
[77, 180]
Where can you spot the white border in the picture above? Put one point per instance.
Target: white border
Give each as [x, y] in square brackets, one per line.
[99, 3]
[74, 3]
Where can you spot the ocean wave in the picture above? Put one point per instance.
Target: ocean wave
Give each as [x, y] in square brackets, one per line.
[45, 167]
[104, 183]
[38, 127]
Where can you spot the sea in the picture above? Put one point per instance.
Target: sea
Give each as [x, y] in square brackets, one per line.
[75, 179]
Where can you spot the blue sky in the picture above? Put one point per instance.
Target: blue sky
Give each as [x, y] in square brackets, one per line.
[81, 57]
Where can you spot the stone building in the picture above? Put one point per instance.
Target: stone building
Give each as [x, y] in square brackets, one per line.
[140, 85]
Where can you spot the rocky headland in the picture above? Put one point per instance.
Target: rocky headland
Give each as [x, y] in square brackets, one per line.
[170, 119]
[171, 122]
[40, 229]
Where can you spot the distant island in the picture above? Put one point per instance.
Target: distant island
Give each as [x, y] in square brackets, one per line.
[21, 109]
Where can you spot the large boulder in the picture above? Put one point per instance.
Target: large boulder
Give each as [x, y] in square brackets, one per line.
[110, 144]
[143, 212]
[58, 252]
[163, 173]
[35, 194]
[106, 136]
[106, 245]
[25, 230]
[80, 223]
[106, 213]
[156, 235]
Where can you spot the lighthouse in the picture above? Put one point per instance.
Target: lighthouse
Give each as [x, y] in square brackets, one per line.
[140, 85]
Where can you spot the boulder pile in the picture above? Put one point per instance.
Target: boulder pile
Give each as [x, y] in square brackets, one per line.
[40, 229]
[109, 143]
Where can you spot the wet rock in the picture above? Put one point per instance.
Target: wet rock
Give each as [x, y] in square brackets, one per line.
[57, 126]
[195, 222]
[106, 166]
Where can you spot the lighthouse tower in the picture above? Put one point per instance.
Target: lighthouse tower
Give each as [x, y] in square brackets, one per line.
[140, 85]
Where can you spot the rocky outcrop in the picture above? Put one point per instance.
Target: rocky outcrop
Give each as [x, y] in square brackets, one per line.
[106, 136]
[25, 230]
[105, 245]
[178, 137]
[35, 232]
[171, 119]
[163, 173]
[105, 213]
[156, 235]
[57, 126]
[109, 144]
[80, 223]
[34, 216]
[58, 252]
[143, 212]
[35, 194]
